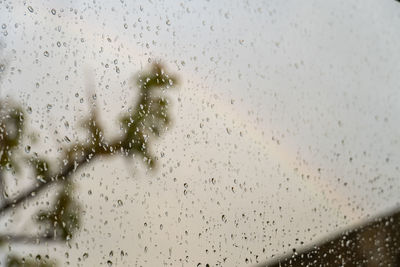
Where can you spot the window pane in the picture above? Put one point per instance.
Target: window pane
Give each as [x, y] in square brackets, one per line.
[199, 133]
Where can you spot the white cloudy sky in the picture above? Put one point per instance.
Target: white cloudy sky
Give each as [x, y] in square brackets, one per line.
[291, 107]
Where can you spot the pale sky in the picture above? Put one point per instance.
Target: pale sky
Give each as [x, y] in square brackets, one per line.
[290, 107]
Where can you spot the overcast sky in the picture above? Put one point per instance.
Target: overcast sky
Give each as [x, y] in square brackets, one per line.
[286, 123]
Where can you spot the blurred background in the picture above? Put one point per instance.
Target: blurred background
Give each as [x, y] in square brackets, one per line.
[284, 126]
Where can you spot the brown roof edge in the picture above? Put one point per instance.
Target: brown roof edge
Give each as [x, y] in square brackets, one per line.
[336, 234]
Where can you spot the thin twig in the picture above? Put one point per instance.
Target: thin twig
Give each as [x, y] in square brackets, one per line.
[29, 239]
[64, 175]
[2, 187]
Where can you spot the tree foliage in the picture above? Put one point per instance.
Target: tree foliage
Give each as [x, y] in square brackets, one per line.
[146, 119]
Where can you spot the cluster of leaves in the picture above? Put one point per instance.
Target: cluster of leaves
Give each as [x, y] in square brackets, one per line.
[63, 219]
[11, 128]
[38, 261]
[149, 116]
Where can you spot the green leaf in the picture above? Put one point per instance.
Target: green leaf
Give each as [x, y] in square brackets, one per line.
[11, 130]
[38, 261]
[63, 219]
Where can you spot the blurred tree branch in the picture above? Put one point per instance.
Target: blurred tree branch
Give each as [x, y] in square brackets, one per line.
[29, 239]
[148, 117]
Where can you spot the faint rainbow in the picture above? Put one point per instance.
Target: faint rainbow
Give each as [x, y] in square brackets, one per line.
[285, 157]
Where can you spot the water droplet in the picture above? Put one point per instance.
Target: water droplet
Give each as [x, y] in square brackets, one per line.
[168, 22]
[224, 218]
[85, 256]
[53, 11]
[27, 149]
[46, 53]
[30, 9]
[109, 263]
[120, 203]
[41, 178]
[8, 166]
